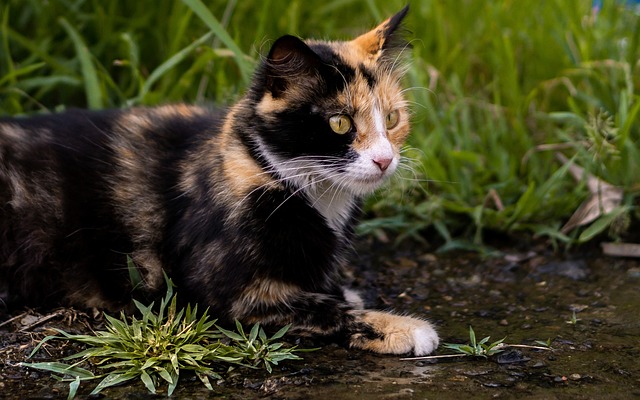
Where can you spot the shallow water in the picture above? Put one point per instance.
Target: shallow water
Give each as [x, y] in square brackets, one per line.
[525, 296]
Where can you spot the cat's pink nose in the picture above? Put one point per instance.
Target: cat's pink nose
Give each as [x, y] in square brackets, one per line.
[382, 163]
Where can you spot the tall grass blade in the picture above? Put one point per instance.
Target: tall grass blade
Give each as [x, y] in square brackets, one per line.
[89, 73]
[166, 66]
[216, 27]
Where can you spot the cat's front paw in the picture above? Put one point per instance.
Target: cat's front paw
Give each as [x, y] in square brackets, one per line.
[388, 333]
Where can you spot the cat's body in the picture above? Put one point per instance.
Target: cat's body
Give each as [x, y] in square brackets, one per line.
[250, 210]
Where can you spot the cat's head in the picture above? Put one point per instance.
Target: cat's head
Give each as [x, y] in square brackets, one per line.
[333, 114]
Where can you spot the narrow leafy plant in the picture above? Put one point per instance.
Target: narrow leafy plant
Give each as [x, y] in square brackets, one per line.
[477, 349]
[159, 345]
[257, 350]
[481, 348]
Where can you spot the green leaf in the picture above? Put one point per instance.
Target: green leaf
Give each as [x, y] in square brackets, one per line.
[205, 380]
[253, 335]
[42, 342]
[114, 379]
[230, 334]
[207, 17]
[281, 332]
[134, 274]
[22, 71]
[89, 73]
[148, 382]
[166, 66]
[192, 348]
[73, 388]
[472, 336]
[599, 225]
[164, 374]
[61, 368]
[172, 386]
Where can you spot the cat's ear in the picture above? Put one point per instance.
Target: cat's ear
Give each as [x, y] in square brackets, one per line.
[289, 60]
[386, 37]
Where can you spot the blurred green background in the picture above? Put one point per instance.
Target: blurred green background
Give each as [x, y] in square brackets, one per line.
[498, 89]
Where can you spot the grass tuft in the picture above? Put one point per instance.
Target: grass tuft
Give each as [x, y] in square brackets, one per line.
[160, 345]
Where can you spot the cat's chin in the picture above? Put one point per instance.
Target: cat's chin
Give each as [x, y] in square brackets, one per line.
[366, 185]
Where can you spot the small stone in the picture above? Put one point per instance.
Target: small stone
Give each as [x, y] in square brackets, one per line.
[539, 364]
[428, 257]
[510, 357]
[633, 273]
[575, 377]
[29, 319]
[503, 322]
[572, 269]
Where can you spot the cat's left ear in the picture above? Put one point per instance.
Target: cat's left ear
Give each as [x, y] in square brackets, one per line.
[386, 37]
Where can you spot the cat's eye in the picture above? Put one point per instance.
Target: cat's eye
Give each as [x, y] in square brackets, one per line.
[392, 119]
[340, 124]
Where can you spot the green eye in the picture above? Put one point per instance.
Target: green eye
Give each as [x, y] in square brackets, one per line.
[392, 119]
[340, 124]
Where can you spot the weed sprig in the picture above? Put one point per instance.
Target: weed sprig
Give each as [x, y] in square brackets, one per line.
[481, 348]
[159, 345]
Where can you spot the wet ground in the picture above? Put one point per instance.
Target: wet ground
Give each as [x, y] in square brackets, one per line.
[526, 295]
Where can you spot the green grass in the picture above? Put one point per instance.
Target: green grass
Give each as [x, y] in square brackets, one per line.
[498, 88]
[161, 345]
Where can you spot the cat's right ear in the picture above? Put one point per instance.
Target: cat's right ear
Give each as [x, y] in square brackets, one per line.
[289, 60]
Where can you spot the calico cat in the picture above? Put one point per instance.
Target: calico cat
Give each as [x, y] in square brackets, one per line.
[251, 210]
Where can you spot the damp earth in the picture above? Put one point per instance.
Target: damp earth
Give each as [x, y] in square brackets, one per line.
[584, 304]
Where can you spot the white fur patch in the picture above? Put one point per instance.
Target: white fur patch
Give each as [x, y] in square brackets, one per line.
[353, 298]
[334, 202]
[425, 339]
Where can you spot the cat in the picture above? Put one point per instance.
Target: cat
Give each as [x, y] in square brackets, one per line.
[251, 210]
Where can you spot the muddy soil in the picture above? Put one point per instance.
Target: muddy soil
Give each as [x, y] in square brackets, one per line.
[525, 295]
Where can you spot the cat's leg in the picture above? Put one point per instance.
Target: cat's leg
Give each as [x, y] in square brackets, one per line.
[333, 315]
[385, 332]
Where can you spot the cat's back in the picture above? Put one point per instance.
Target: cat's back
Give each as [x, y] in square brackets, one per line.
[77, 188]
[102, 132]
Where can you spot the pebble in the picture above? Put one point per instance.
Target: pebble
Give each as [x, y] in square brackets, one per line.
[573, 269]
[511, 356]
[633, 272]
[575, 377]
[539, 364]
[29, 319]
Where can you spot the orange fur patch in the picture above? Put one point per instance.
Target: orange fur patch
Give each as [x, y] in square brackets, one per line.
[371, 42]
[240, 170]
[263, 292]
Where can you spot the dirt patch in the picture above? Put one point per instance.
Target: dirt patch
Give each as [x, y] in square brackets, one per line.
[523, 295]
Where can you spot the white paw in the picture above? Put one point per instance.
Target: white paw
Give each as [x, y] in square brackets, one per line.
[398, 334]
[425, 339]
